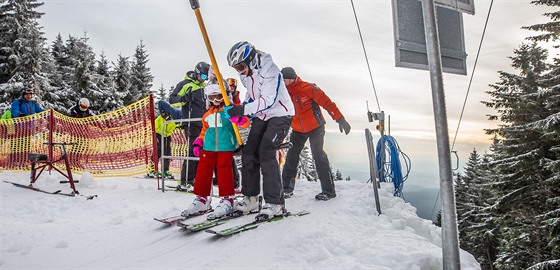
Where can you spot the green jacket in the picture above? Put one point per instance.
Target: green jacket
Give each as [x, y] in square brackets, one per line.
[169, 128]
[194, 105]
[7, 114]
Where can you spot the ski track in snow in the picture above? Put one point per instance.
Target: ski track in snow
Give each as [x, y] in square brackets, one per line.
[116, 230]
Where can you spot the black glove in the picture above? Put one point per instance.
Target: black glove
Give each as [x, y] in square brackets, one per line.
[343, 125]
[187, 98]
[235, 110]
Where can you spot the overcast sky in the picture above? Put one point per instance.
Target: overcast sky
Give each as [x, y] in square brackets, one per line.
[320, 40]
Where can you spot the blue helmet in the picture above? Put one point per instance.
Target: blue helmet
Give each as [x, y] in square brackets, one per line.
[241, 52]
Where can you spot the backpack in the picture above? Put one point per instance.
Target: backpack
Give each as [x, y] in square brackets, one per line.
[7, 114]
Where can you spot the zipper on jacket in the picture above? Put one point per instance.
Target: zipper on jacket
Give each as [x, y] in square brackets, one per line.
[299, 118]
[216, 129]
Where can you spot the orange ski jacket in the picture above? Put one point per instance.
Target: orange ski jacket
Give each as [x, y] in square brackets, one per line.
[308, 98]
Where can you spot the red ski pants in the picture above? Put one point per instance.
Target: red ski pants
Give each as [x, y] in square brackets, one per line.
[208, 161]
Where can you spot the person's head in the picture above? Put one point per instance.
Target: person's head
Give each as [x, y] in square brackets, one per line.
[232, 84]
[27, 93]
[83, 104]
[240, 57]
[289, 75]
[201, 71]
[214, 95]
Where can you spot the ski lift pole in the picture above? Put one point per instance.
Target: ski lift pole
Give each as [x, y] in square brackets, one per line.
[450, 235]
[196, 7]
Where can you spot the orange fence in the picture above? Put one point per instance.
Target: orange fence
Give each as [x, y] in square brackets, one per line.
[119, 143]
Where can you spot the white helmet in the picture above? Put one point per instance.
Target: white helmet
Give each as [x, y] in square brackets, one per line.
[241, 52]
[212, 89]
[83, 104]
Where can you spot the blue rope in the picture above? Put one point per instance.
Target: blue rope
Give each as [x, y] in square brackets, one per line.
[392, 163]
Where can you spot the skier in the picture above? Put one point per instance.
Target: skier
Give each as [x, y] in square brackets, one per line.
[81, 109]
[215, 146]
[233, 91]
[166, 137]
[309, 123]
[189, 95]
[24, 106]
[268, 103]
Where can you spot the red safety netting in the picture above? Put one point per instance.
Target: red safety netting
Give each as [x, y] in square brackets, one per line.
[119, 143]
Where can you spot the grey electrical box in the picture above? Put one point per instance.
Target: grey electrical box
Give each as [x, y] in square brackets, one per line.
[466, 6]
[410, 38]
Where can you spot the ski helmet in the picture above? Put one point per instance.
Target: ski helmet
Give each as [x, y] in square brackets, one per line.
[212, 89]
[202, 69]
[26, 90]
[241, 52]
[83, 104]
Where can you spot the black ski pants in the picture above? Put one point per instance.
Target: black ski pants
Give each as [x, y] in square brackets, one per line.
[259, 156]
[166, 150]
[316, 140]
[191, 133]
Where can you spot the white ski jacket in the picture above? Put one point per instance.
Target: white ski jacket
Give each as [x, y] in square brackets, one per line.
[267, 95]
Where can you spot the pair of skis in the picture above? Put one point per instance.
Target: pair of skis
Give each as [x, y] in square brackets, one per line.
[260, 219]
[208, 224]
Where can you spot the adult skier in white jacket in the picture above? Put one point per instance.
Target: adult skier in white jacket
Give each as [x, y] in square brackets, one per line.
[269, 104]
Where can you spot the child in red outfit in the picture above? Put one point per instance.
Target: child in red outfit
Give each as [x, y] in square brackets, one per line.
[215, 145]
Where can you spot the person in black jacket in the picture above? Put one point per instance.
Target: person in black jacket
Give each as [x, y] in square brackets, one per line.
[189, 95]
[81, 109]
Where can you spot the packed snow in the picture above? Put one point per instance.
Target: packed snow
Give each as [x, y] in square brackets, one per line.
[116, 230]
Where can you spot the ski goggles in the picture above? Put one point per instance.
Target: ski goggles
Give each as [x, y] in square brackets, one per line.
[204, 77]
[232, 82]
[240, 67]
[215, 98]
[83, 106]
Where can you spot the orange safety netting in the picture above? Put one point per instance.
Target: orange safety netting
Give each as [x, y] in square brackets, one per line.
[119, 143]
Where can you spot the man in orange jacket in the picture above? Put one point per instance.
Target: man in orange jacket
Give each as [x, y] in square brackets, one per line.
[309, 123]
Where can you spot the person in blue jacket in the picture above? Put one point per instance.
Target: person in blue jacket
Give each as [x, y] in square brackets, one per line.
[24, 106]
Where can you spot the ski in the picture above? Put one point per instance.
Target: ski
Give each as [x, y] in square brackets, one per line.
[254, 224]
[57, 192]
[170, 220]
[211, 223]
[174, 219]
[33, 188]
[174, 188]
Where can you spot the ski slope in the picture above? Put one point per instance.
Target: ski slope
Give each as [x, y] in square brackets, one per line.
[116, 230]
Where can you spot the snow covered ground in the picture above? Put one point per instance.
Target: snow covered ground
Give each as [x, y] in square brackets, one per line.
[116, 230]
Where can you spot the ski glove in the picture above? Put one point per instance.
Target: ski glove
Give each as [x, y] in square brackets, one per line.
[238, 120]
[234, 110]
[343, 125]
[197, 147]
[187, 98]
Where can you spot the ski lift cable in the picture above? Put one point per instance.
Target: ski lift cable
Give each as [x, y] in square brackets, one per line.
[467, 94]
[365, 54]
[472, 75]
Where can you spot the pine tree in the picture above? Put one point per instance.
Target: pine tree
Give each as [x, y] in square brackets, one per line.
[551, 29]
[110, 99]
[22, 52]
[306, 166]
[141, 78]
[477, 231]
[519, 152]
[121, 77]
[161, 93]
[338, 176]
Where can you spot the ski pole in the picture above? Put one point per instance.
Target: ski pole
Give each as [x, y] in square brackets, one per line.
[196, 7]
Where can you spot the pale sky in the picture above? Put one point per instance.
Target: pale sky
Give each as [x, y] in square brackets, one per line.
[320, 40]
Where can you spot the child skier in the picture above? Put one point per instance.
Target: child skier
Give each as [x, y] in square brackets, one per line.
[215, 146]
[166, 137]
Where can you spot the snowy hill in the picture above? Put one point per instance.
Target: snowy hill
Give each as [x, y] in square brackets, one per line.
[116, 230]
